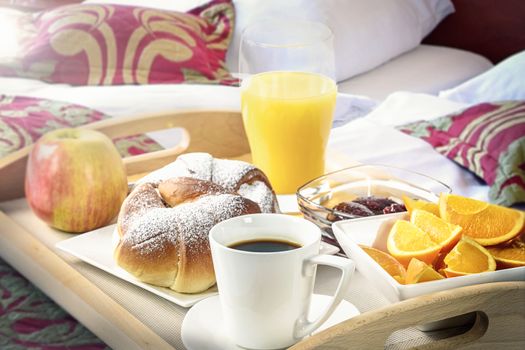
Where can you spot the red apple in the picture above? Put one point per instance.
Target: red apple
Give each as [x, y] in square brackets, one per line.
[75, 180]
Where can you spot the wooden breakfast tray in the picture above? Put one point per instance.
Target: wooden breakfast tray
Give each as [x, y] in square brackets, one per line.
[127, 317]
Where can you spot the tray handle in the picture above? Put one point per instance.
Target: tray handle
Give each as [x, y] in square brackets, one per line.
[499, 323]
[219, 132]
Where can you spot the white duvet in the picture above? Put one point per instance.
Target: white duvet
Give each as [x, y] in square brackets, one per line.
[366, 137]
[374, 139]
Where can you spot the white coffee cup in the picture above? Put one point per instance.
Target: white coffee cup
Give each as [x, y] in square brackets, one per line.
[265, 297]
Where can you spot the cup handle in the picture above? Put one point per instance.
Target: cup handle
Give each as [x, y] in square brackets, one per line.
[303, 327]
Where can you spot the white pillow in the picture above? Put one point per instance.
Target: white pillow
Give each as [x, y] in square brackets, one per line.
[367, 33]
[504, 81]
[407, 107]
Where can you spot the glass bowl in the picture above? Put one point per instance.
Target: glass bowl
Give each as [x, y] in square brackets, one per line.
[317, 198]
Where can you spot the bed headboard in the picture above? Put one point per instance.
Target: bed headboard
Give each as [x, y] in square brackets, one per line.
[492, 28]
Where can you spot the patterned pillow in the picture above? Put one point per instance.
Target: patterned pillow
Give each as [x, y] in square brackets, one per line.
[90, 44]
[489, 140]
[24, 119]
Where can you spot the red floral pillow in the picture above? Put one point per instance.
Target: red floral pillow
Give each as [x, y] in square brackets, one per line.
[489, 140]
[90, 44]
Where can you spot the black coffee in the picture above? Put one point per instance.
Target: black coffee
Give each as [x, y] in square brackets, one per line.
[265, 245]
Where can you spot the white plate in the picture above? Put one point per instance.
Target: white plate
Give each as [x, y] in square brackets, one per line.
[96, 248]
[288, 203]
[203, 329]
[351, 233]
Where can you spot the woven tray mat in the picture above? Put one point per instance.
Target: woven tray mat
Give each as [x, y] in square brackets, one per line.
[165, 318]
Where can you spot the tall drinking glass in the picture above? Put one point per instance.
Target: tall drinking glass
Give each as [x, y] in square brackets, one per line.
[288, 98]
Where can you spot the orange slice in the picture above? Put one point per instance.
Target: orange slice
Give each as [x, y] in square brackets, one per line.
[468, 257]
[406, 241]
[412, 204]
[445, 234]
[509, 255]
[418, 271]
[488, 224]
[387, 262]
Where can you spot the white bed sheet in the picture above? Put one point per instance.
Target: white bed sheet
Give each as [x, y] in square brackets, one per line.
[426, 69]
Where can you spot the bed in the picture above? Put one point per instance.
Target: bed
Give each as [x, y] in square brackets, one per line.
[372, 104]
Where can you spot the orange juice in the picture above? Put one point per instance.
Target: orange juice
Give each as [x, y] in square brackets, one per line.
[287, 117]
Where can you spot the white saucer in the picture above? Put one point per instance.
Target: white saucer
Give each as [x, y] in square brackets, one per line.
[203, 329]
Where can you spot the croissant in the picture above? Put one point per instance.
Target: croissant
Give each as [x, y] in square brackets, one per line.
[163, 224]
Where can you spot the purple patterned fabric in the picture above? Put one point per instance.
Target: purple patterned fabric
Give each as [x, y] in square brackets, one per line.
[30, 320]
[24, 119]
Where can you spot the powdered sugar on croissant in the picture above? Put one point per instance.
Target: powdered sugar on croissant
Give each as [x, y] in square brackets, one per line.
[233, 175]
[164, 222]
